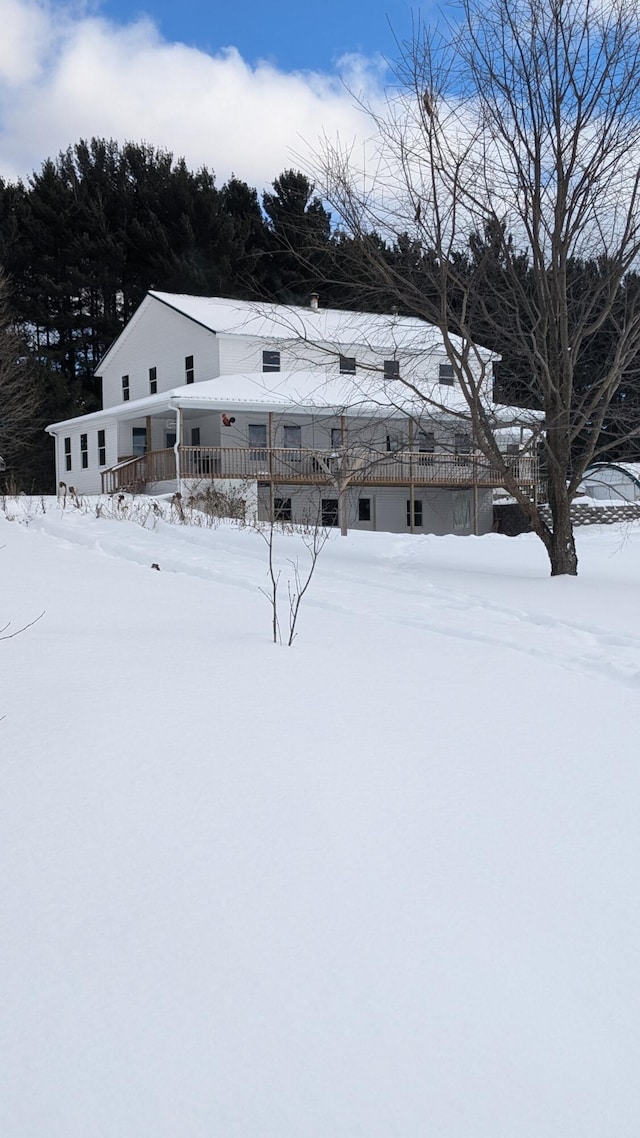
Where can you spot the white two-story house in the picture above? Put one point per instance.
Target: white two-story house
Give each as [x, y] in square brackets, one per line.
[308, 414]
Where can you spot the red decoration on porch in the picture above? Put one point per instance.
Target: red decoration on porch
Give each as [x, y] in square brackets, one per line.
[228, 422]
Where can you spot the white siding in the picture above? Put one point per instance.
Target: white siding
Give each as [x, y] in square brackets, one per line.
[86, 481]
[158, 337]
[443, 511]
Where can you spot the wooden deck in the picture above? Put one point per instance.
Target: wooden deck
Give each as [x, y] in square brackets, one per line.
[315, 467]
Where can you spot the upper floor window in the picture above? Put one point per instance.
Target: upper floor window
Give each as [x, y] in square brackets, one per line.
[271, 361]
[189, 373]
[67, 454]
[125, 388]
[391, 369]
[394, 442]
[153, 380]
[102, 449]
[446, 374]
[84, 451]
[347, 365]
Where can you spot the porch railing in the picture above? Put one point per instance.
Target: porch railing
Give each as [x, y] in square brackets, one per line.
[316, 467]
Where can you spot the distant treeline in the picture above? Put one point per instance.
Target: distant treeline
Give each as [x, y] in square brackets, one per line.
[97, 227]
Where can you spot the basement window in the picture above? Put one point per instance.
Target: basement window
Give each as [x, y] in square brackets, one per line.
[282, 510]
[347, 365]
[446, 374]
[329, 511]
[392, 369]
[364, 510]
[417, 513]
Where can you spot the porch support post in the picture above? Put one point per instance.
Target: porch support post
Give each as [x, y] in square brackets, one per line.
[176, 448]
[412, 487]
[271, 486]
[475, 504]
[147, 450]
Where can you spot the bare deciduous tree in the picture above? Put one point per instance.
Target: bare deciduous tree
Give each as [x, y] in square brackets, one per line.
[518, 131]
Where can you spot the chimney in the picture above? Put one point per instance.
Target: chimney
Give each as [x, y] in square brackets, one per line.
[313, 300]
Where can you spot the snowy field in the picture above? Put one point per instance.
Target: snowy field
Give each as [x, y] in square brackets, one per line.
[383, 884]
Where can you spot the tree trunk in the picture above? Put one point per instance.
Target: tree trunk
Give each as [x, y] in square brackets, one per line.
[342, 510]
[560, 543]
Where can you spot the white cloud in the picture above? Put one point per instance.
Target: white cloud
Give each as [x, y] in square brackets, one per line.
[65, 74]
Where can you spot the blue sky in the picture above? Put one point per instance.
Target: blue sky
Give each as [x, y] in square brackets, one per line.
[292, 35]
[242, 88]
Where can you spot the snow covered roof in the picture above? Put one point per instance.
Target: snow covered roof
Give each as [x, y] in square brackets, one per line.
[308, 392]
[291, 322]
[631, 469]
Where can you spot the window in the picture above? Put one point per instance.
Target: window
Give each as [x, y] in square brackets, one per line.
[195, 436]
[67, 454]
[329, 511]
[336, 438]
[102, 449]
[463, 444]
[170, 439]
[391, 369]
[84, 451]
[153, 380]
[446, 374]
[271, 361]
[125, 388]
[139, 441]
[292, 437]
[394, 442]
[417, 513]
[462, 511]
[189, 373]
[257, 435]
[364, 510]
[258, 438]
[347, 365]
[282, 509]
[426, 442]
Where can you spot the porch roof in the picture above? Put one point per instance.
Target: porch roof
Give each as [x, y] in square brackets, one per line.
[307, 392]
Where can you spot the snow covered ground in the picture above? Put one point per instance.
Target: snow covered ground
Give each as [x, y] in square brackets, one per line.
[383, 884]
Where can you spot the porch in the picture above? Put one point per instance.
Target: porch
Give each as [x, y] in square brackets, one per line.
[309, 467]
